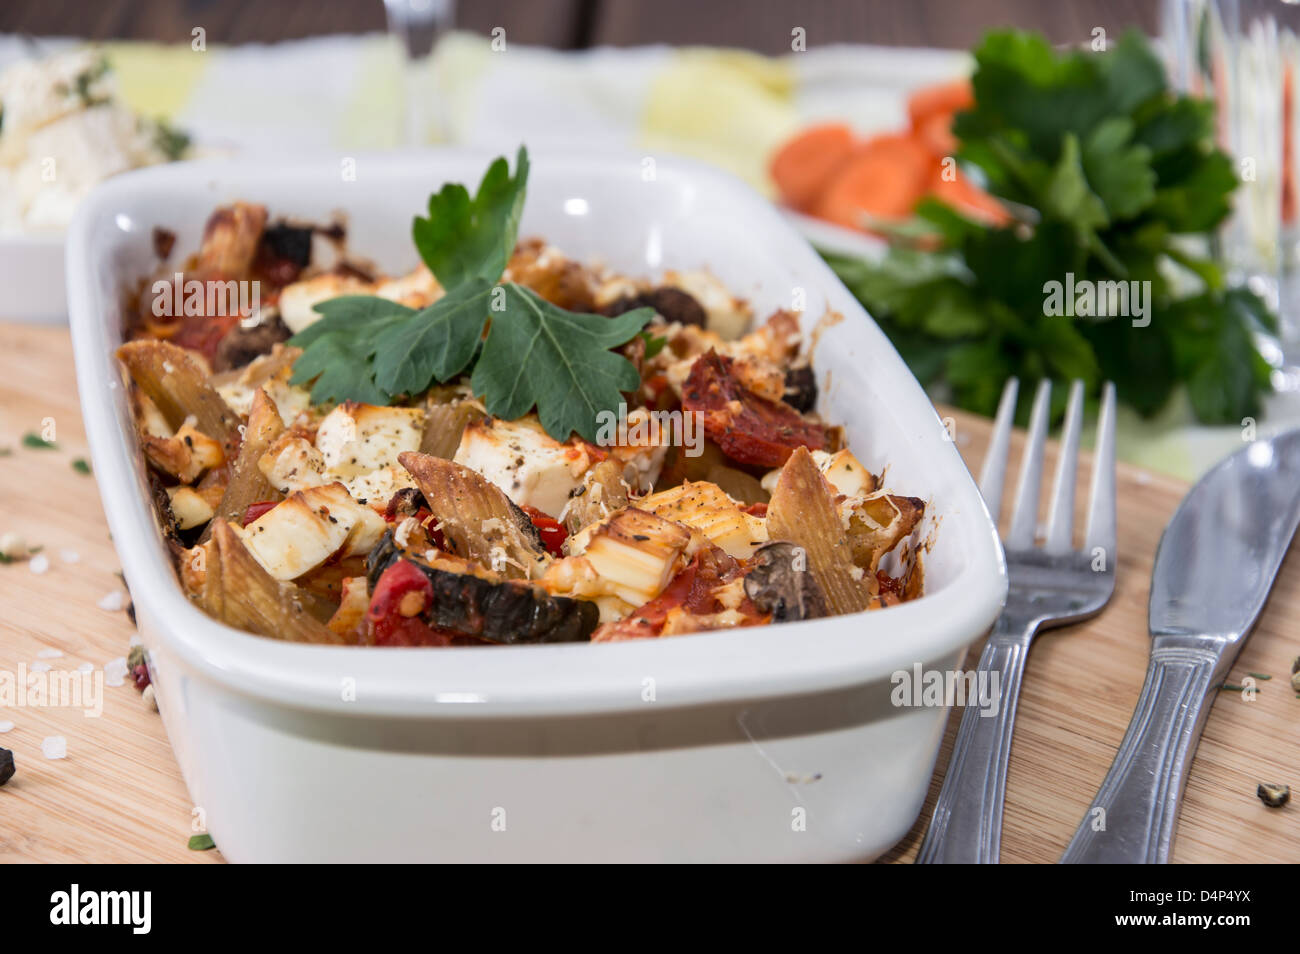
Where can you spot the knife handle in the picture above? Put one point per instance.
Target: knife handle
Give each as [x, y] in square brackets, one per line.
[1140, 796]
[966, 827]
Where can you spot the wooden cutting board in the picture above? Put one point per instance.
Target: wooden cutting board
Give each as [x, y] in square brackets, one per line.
[119, 796]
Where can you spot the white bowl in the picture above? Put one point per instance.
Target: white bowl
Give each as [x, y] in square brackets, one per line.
[776, 743]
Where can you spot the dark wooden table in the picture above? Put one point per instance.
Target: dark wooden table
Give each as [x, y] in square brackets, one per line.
[762, 25]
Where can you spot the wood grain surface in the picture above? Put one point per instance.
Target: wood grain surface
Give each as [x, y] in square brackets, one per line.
[119, 796]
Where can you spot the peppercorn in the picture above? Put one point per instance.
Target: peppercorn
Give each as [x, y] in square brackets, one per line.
[1274, 796]
[6, 765]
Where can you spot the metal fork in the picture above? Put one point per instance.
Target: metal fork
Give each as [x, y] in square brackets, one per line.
[1049, 585]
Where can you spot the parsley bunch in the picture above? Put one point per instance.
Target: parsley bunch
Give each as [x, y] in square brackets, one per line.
[1110, 172]
[535, 354]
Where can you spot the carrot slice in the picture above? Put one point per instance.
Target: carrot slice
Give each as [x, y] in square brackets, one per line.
[935, 133]
[882, 180]
[804, 164]
[950, 97]
[968, 198]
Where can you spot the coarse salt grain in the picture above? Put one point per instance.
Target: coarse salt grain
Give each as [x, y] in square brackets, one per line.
[135, 641]
[115, 672]
[69, 556]
[39, 563]
[111, 601]
[6, 726]
[54, 747]
[50, 653]
[86, 667]
[39, 667]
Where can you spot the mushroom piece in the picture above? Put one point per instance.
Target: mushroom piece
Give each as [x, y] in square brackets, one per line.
[245, 343]
[478, 521]
[780, 582]
[673, 304]
[801, 388]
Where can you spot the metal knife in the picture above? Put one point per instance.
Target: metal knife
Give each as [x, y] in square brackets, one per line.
[1213, 571]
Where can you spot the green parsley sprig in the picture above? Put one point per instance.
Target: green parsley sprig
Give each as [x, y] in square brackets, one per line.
[534, 354]
[1110, 172]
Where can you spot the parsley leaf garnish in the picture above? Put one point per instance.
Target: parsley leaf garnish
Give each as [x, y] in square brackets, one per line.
[464, 239]
[560, 360]
[535, 354]
[1109, 170]
[339, 349]
[437, 343]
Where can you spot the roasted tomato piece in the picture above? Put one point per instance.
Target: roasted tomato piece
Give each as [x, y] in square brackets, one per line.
[551, 530]
[401, 595]
[184, 306]
[693, 591]
[749, 429]
[203, 334]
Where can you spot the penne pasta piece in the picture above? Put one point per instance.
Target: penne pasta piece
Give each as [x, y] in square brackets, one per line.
[248, 485]
[476, 518]
[444, 424]
[634, 554]
[328, 579]
[803, 512]
[878, 522]
[230, 240]
[603, 491]
[243, 594]
[179, 388]
[705, 507]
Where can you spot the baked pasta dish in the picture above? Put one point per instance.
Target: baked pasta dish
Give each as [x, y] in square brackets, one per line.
[503, 446]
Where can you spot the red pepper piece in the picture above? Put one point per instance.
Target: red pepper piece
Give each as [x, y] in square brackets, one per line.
[255, 510]
[552, 531]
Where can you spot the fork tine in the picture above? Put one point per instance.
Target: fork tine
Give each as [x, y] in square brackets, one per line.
[1101, 500]
[1024, 518]
[1060, 525]
[994, 469]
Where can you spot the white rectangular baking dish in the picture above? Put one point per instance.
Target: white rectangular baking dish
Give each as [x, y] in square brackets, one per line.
[776, 743]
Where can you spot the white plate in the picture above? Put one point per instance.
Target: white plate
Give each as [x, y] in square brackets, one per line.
[830, 237]
[31, 274]
[693, 748]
